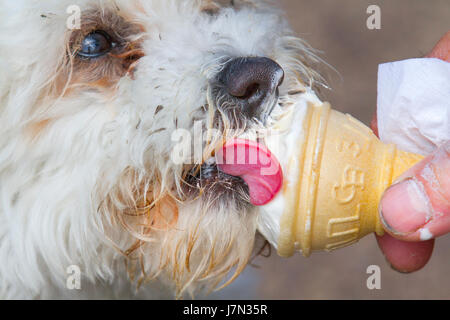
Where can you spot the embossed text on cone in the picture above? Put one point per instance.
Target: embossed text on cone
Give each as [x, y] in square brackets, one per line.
[343, 171]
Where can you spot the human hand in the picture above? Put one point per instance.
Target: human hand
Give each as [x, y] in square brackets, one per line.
[416, 210]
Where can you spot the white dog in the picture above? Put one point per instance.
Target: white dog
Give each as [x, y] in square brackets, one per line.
[91, 93]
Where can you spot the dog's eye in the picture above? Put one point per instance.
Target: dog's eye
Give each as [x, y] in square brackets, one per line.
[96, 44]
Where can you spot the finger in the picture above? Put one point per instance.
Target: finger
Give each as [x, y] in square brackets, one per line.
[405, 256]
[418, 207]
[410, 256]
[374, 124]
[442, 49]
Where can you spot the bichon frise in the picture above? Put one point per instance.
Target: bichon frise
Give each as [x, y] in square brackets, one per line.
[97, 99]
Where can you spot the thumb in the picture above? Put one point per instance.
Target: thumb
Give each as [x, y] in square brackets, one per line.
[418, 206]
[442, 49]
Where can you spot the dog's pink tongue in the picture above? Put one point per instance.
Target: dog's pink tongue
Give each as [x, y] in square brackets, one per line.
[255, 164]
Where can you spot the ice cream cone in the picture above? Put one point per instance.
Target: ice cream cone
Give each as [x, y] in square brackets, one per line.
[342, 170]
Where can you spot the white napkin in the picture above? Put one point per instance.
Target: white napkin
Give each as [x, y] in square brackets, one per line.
[414, 104]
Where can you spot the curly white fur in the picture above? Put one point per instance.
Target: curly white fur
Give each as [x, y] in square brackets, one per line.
[74, 158]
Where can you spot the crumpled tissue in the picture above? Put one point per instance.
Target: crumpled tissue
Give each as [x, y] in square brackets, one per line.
[414, 104]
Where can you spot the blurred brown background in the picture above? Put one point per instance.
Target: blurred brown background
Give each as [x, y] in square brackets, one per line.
[409, 28]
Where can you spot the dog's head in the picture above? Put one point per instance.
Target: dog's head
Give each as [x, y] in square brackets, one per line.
[111, 113]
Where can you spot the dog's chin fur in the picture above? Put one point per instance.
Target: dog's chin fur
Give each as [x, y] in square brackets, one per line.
[86, 176]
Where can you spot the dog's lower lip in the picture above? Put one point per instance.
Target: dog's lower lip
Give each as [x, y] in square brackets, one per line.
[212, 183]
[209, 171]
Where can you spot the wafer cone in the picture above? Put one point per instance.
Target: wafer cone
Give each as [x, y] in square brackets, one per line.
[342, 170]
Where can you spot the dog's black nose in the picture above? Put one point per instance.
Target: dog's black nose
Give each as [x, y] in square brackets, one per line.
[252, 80]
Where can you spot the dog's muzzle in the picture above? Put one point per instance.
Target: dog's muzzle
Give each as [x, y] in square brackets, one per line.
[251, 82]
[245, 90]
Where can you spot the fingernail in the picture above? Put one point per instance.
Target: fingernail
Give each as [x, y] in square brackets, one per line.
[405, 207]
